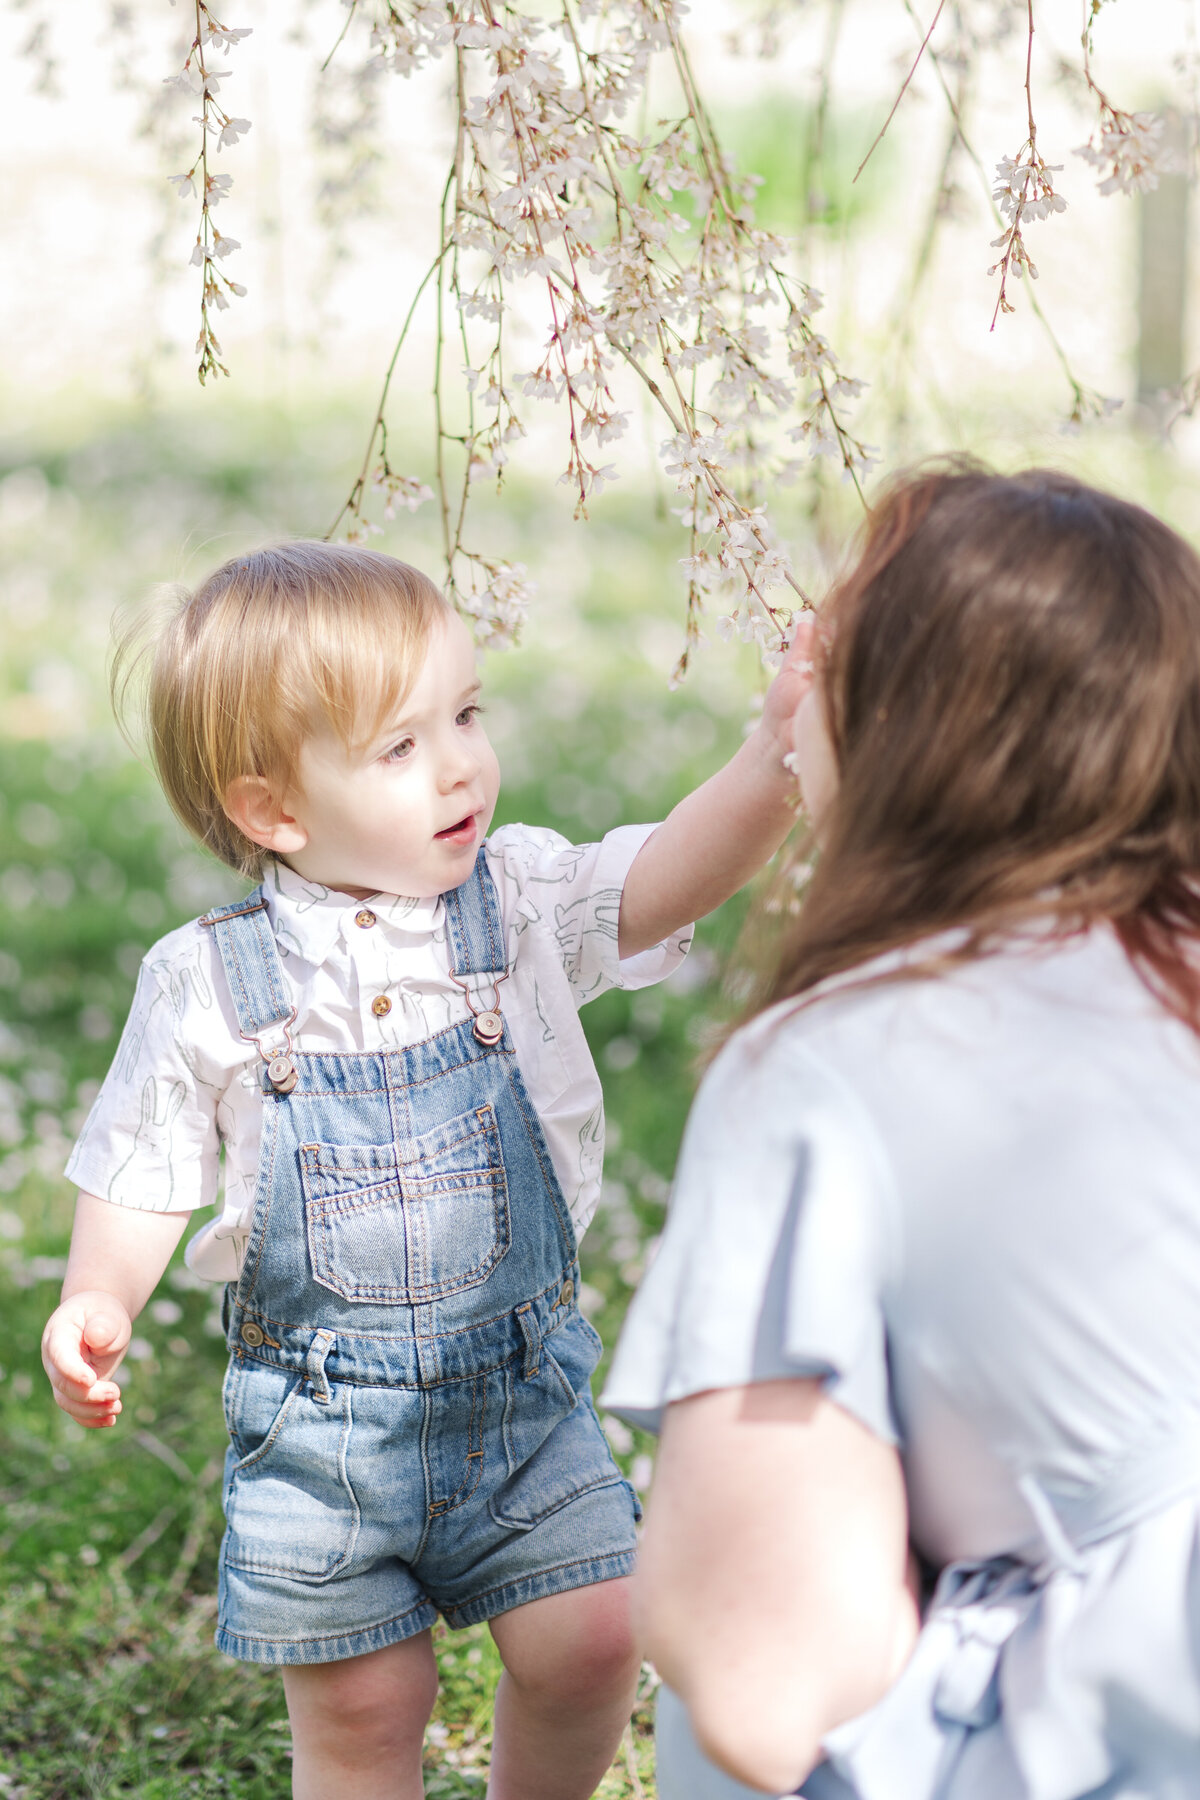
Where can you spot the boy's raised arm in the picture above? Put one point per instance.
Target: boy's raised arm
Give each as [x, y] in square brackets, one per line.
[117, 1257]
[711, 844]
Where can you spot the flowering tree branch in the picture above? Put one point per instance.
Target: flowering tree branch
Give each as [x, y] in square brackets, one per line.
[212, 246]
[634, 255]
[549, 190]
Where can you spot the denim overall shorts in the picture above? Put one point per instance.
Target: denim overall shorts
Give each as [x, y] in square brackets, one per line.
[411, 1426]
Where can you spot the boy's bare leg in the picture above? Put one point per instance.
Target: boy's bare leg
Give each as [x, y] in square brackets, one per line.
[358, 1725]
[571, 1667]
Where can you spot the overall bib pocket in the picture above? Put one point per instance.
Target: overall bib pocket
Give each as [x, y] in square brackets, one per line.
[403, 1224]
[289, 1506]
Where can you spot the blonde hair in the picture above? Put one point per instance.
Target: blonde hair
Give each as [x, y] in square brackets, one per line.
[270, 646]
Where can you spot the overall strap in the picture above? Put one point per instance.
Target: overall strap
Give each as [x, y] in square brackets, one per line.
[248, 951]
[473, 922]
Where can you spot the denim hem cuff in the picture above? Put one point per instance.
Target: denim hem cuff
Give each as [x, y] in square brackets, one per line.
[336, 1647]
[558, 1580]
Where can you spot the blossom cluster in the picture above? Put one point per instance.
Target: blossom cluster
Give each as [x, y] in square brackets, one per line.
[644, 249]
[218, 129]
[1130, 149]
[1025, 193]
[588, 192]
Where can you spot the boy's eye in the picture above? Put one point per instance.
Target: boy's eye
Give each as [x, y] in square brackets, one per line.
[399, 751]
[468, 713]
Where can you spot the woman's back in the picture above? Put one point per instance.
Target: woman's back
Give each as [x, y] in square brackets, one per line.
[962, 1203]
[1039, 1114]
[973, 1202]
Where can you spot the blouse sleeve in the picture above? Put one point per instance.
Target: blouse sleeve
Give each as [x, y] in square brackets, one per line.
[775, 1254]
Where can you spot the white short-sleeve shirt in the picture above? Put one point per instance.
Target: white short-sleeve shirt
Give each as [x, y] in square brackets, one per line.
[184, 1084]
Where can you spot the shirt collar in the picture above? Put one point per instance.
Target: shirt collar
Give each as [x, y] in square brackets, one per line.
[309, 919]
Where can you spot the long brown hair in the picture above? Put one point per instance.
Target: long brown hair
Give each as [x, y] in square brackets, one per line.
[1012, 687]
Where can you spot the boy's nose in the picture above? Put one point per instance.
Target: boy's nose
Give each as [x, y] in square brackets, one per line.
[458, 766]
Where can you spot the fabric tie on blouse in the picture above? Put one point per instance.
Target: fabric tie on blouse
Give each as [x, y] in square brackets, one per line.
[997, 1655]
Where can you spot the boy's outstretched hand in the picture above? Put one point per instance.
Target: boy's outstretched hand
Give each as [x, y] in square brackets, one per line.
[721, 835]
[793, 679]
[84, 1341]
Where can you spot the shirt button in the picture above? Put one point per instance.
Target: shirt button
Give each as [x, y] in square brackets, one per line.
[381, 1006]
[364, 919]
[252, 1334]
[568, 1293]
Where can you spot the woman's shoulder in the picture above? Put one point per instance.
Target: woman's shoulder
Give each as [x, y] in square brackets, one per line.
[1079, 985]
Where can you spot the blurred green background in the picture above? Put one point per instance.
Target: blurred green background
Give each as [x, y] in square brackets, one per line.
[109, 1540]
[111, 1686]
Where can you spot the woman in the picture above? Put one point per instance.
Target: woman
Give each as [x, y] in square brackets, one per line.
[932, 1269]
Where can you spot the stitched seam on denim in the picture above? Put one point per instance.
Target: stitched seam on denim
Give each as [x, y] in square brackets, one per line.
[389, 1337]
[414, 1296]
[259, 1567]
[276, 1426]
[388, 1085]
[411, 1296]
[364, 1199]
[482, 904]
[233, 972]
[589, 1487]
[423, 1384]
[624, 1557]
[426, 1476]
[328, 1637]
[458, 1497]
[263, 1191]
[533, 1128]
[568, 1390]
[452, 1182]
[314, 1158]
[344, 1472]
[492, 923]
[511, 1461]
[271, 967]
[228, 937]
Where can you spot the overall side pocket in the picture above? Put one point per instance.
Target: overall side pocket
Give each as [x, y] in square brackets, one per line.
[289, 1506]
[553, 1440]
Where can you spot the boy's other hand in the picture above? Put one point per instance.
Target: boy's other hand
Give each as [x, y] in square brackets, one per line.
[792, 681]
[84, 1341]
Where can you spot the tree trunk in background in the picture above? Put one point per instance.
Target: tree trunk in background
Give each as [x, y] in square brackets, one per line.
[1163, 284]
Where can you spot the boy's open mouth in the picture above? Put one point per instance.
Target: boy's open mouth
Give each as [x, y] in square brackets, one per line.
[465, 828]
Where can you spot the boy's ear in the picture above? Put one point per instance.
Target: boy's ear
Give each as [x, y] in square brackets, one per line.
[257, 811]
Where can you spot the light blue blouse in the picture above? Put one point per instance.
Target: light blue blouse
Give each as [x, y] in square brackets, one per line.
[972, 1206]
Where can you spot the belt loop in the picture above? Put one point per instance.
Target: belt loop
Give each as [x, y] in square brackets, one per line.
[531, 1331]
[314, 1365]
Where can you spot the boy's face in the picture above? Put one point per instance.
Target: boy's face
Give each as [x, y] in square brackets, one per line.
[407, 813]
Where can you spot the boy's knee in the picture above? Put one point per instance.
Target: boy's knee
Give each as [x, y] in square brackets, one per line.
[367, 1703]
[610, 1659]
[599, 1665]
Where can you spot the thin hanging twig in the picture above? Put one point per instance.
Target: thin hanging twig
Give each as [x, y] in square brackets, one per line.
[903, 90]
